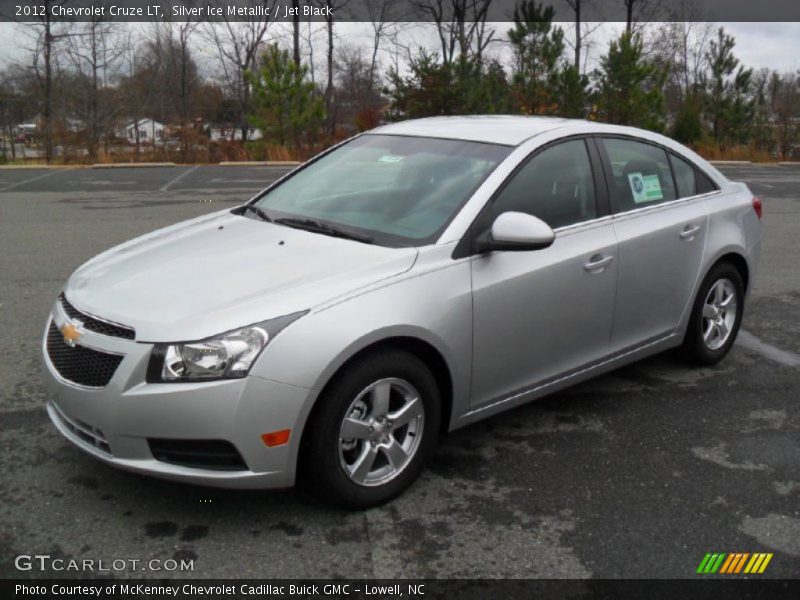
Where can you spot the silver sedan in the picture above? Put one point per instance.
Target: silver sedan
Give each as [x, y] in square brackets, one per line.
[407, 282]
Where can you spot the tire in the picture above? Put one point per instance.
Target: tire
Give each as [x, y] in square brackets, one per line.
[336, 468]
[712, 329]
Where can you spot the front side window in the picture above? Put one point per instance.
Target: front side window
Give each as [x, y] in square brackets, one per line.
[397, 190]
[641, 174]
[556, 185]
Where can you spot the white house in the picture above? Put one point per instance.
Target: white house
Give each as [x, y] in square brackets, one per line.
[150, 131]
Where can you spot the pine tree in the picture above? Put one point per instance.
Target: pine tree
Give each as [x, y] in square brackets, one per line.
[285, 104]
[730, 107]
[573, 94]
[538, 48]
[629, 87]
[467, 85]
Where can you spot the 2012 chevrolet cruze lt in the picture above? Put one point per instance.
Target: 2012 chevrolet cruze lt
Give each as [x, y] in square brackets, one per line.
[407, 282]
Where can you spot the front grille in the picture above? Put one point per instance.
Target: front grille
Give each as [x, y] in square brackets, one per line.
[217, 455]
[79, 364]
[96, 325]
[91, 435]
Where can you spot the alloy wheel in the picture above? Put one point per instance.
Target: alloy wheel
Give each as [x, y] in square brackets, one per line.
[719, 314]
[381, 432]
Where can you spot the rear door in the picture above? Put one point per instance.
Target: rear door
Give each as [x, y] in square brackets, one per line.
[661, 226]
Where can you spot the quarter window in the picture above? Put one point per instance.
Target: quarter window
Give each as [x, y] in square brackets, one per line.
[641, 175]
[704, 184]
[684, 177]
[556, 185]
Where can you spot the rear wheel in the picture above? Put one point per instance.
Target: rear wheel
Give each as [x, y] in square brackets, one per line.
[716, 315]
[374, 427]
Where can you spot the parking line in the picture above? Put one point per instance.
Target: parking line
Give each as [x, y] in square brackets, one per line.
[751, 342]
[165, 187]
[37, 178]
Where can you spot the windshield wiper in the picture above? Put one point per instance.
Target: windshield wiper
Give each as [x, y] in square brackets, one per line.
[240, 210]
[324, 228]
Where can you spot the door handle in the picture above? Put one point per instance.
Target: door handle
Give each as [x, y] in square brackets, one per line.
[597, 262]
[689, 231]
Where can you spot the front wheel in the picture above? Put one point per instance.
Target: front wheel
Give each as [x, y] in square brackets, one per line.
[716, 315]
[373, 428]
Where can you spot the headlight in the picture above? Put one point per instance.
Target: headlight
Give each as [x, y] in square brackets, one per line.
[226, 356]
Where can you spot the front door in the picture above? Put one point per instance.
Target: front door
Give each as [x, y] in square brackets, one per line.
[538, 315]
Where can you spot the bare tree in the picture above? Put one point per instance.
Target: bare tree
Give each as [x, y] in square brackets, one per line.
[332, 7]
[18, 100]
[638, 11]
[683, 46]
[46, 34]
[238, 44]
[385, 18]
[460, 25]
[296, 32]
[137, 90]
[94, 52]
[785, 105]
[172, 43]
[582, 30]
[357, 97]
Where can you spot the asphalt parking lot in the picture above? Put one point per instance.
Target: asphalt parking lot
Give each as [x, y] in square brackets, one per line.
[638, 473]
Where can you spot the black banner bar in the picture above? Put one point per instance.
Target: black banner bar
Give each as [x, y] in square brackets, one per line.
[424, 589]
[398, 10]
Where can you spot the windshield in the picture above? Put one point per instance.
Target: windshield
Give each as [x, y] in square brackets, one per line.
[396, 190]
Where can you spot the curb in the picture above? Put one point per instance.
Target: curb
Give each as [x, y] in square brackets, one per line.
[260, 163]
[789, 163]
[731, 162]
[127, 165]
[14, 167]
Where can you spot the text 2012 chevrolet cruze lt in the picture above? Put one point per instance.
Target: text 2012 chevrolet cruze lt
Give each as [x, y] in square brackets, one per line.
[407, 282]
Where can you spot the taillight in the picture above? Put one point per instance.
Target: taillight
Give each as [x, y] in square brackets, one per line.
[757, 206]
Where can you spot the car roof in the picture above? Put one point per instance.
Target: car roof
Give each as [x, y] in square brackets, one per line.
[514, 130]
[495, 129]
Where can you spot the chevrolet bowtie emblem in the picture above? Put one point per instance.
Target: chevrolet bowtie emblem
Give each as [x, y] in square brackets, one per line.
[70, 333]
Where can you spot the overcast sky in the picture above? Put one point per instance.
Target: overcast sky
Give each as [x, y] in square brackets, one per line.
[758, 45]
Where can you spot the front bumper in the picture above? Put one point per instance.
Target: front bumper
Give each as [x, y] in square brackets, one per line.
[114, 423]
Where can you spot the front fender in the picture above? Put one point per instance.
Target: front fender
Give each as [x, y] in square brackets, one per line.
[431, 305]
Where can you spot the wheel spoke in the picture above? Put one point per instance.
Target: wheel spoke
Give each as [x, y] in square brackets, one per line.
[363, 465]
[409, 411]
[354, 428]
[722, 327]
[380, 399]
[727, 302]
[719, 292]
[708, 311]
[395, 453]
[708, 334]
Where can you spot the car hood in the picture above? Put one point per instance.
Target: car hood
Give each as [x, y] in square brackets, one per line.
[222, 271]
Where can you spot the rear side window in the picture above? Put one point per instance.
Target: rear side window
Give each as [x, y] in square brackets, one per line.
[641, 174]
[556, 185]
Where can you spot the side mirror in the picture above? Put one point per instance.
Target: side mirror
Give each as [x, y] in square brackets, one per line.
[517, 231]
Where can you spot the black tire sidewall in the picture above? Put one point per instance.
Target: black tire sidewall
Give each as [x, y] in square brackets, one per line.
[320, 471]
[693, 342]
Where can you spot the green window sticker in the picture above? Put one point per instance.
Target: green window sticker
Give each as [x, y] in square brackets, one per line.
[645, 188]
[389, 158]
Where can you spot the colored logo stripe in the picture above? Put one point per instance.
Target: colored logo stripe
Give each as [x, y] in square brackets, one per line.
[734, 563]
[711, 563]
